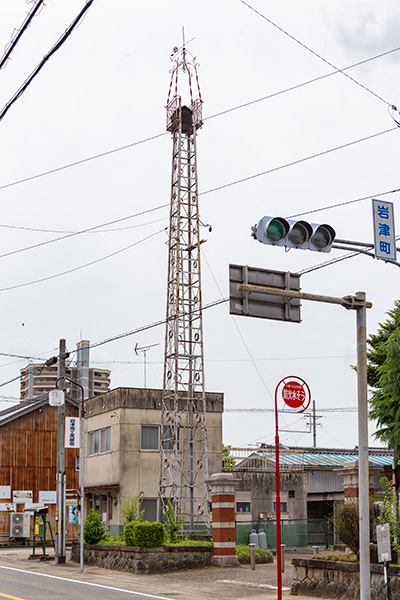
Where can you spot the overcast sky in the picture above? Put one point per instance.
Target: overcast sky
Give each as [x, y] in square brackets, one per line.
[311, 142]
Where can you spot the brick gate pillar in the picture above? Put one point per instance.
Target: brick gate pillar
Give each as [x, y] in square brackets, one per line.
[223, 519]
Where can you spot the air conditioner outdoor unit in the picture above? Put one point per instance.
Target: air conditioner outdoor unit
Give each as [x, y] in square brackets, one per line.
[19, 525]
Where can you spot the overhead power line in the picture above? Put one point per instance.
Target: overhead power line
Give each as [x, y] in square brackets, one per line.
[146, 327]
[93, 262]
[327, 62]
[20, 33]
[303, 84]
[159, 135]
[54, 49]
[132, 332]
[297, 162]
[88, 230]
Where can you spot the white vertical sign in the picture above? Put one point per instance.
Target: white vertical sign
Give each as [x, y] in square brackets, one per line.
[384, 234]
[72, 432]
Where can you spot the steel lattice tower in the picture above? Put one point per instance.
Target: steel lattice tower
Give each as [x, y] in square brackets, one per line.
[184, 462]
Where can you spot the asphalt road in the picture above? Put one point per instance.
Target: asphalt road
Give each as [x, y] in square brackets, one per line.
[18, 584]
[23, 579]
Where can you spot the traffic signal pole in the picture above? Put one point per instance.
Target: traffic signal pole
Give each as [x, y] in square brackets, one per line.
[359, 304]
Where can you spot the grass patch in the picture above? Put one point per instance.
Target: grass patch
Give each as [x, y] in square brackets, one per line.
[245, 551]
[187, 542]
[338, 557]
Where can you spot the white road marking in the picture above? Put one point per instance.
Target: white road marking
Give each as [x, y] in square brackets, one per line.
[251, 584]
[106, 587]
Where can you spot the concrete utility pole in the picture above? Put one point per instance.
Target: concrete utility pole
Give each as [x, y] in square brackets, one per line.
[60, 477]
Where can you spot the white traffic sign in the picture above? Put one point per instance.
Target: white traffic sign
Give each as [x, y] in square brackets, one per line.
[384, 234]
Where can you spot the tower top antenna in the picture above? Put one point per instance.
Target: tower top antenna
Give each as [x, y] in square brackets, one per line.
[187, 63]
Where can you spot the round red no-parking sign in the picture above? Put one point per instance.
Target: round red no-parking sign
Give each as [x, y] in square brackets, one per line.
[295, 393]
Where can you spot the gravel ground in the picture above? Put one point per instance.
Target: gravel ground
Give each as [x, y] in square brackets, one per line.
[211, 583]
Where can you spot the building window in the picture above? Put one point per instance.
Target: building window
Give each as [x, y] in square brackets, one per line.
[243, 502]
[149, 505]
[100, 441]
[150, 437]
[283, 507]
[292, 494]
[284, 498]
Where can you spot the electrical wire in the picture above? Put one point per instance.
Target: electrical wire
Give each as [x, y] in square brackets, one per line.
[152, 325]
[10, 381]
[315, 210]
[297, 162]
[38, 230]
[12, 45]
[75, 233]
[93, 262]
[327, 62]
[159, 135]
[39, 67]
[300, 85]
[96, 229]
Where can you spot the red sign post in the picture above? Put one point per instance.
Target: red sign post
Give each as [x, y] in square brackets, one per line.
[296, 394]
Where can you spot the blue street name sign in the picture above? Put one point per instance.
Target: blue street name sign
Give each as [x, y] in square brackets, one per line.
[384, 234]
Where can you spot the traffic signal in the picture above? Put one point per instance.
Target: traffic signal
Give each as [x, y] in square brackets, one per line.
[290, 233]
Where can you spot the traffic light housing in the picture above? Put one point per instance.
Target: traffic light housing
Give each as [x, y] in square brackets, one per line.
[291, 233]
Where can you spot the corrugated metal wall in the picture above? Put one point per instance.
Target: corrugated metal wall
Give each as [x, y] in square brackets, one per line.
[320, 481]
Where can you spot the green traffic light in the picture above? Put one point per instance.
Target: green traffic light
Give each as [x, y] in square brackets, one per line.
[275, 231]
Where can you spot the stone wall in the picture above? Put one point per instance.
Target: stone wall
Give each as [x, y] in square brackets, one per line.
[330, 579]
[144, 560]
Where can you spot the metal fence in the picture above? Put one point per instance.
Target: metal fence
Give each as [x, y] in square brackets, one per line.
[295, 533]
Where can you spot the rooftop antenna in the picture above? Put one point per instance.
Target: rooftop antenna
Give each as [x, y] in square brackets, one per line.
[143, 349]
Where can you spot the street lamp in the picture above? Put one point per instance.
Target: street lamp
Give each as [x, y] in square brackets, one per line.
[82, 491]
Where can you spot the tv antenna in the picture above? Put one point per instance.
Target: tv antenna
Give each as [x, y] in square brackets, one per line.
[143, 349]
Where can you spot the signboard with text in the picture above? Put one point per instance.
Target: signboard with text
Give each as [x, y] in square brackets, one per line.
[295, 392]
[71, 432]
[384, 233]
[22, 496]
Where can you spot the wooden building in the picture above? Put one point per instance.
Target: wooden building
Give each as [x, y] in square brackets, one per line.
[28, 457]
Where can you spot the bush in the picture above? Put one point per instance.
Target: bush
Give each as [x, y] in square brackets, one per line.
[93, 528]
[172, 518]
[129, 532]
[144, 534]
[346, 522]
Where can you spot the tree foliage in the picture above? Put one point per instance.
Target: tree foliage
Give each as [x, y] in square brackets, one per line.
[384, 377]
[131, 508]
[347, 524]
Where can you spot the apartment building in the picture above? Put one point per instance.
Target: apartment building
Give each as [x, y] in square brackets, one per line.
[37, 379]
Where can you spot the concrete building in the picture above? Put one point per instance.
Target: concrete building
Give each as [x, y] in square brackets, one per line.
[122, 449]
[37, 379]
[312, 480]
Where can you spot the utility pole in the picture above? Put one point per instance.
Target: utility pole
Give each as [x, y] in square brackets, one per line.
[60, 476]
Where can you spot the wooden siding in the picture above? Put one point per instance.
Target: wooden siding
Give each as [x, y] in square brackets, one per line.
[28, 457]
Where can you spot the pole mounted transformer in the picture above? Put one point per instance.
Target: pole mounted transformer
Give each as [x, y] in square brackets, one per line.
[183, 446]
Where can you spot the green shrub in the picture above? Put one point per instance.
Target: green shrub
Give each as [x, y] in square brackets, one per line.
[149, 535]
[346, 522]
[129, 532]
[94, 529]
[172, 518]
[131, 508]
